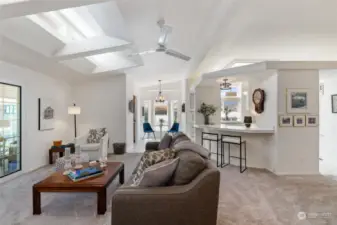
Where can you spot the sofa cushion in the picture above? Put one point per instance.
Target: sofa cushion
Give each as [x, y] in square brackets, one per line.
[90, 147]
[158, 174]
[189, 166]
[165, 142]
[150, 158]
[188, 145]
[177, 138]
[95, 135]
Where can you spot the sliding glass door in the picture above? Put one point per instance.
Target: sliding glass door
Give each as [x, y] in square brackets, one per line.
[10, 129]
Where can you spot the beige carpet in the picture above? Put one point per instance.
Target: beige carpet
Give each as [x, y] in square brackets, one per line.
[258, 197]
[253, 198]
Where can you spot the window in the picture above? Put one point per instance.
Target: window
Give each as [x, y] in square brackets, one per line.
[231, 104]
[161, 113]
[10, 129]
[146, 113]
[174, 111]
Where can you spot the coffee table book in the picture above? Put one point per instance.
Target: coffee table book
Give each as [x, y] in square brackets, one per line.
[85, 173]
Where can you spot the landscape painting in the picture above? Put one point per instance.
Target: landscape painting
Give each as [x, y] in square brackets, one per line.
[297, 100]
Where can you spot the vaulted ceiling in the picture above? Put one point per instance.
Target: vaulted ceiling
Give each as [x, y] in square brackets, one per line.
[89, 39]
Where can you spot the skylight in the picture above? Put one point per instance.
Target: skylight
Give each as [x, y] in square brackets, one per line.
[7, 2]
[76, 24]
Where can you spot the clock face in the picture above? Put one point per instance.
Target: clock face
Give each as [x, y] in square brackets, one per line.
[257, 97]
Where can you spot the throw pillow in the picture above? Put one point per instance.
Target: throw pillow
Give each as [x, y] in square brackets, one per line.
[178, 137]
[165, 142]
[95, 135]
[151, 158]
[189, 166]
[188, 145]
[158, 174]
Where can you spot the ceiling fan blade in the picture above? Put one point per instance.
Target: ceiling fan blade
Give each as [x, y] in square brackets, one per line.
[177, 54]
[147, 52]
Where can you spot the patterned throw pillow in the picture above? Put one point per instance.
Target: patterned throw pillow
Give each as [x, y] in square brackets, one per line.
[150, 158]
[158, 174]
[95, 135]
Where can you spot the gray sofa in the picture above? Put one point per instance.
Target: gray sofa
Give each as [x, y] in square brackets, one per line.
[195, 203]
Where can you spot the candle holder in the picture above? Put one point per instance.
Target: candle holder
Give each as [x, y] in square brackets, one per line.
[248, 121]
[78, 159]
[67, 162]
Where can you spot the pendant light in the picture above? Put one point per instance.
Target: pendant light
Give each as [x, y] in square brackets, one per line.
[160, 98]
[225, 85]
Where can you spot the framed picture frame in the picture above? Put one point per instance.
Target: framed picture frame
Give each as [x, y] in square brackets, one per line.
[321, 88]
[334, 103]
[297, 100]
[285, 121]
[46, 110]
[311, 121]
[299, 121]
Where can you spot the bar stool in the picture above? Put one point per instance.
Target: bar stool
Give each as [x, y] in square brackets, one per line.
[213, 137]
[234, 140]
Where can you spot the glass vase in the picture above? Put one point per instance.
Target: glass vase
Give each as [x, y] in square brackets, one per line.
[206, 120]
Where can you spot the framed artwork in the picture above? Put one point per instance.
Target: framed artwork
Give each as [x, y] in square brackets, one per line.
[312, 120]
[160, 110]
[285, 121]
[299, 121]
[46, 113]
[334, 103]
[183, 108]
[321, 88]
[297, 100]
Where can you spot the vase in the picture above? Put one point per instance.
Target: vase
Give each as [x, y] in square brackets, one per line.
[206, 120]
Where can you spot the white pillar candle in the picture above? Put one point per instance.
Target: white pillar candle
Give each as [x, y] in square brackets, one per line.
[67, 152]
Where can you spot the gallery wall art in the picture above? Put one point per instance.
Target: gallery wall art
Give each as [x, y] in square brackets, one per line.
[46, 113]
[297, 100]
[334, 103]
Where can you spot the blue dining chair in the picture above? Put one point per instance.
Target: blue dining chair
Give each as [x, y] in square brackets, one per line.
[174, 128]
[148, 129]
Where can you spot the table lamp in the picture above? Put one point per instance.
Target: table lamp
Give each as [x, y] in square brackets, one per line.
[74, 110]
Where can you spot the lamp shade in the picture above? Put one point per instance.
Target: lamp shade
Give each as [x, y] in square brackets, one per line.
[4, 123]
[74, 110]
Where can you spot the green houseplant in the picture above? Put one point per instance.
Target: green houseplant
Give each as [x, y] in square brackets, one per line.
[207, 110]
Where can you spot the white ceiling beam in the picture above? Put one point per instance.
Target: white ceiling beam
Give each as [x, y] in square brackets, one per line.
[17, 8]
[20, 55]
[89, 47]
[103, 71]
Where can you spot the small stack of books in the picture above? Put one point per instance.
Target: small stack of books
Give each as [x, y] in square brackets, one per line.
[85, 173]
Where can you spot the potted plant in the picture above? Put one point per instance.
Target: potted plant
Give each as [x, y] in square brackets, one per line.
[227, 110]
[207, 110]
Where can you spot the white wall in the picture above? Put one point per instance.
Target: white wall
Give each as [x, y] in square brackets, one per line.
[35, 143]
[208, 95]
[103, 104]
[130, 91]
[328, 122]
[298, 147]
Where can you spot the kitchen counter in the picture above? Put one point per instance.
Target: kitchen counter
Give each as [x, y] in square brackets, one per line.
[237, 128]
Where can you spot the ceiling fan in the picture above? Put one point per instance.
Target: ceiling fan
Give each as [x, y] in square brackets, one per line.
[165, 31]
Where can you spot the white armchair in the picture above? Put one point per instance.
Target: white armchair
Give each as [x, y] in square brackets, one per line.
[95, 151]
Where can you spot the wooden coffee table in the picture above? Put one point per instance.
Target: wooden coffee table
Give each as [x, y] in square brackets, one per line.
[57, 182]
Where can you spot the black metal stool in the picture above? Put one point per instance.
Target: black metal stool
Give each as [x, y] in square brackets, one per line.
[215, 138]
[234, 140]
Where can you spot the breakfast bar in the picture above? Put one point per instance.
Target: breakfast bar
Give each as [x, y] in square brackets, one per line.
[259, 141]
